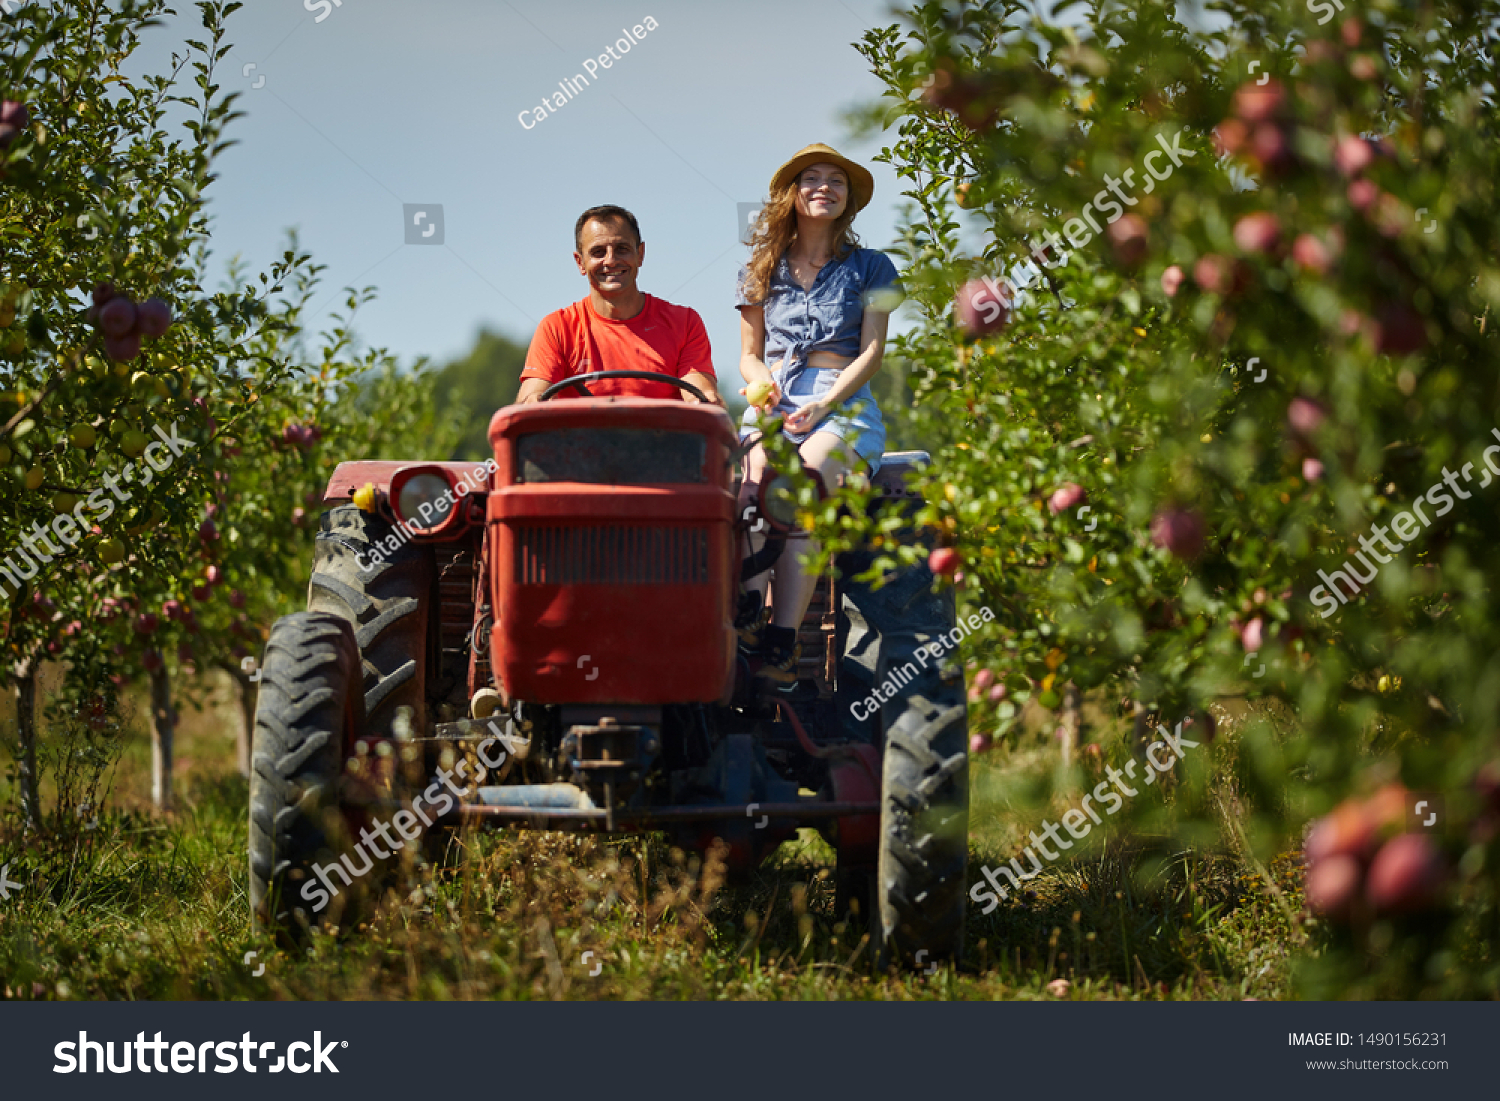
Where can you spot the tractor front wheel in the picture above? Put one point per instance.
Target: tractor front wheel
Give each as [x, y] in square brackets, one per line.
[309, 711]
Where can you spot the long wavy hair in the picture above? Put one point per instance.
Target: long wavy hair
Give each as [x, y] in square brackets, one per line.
[776, 229]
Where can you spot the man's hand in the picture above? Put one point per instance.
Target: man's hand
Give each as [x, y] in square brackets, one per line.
[703, 382]
[531, 391]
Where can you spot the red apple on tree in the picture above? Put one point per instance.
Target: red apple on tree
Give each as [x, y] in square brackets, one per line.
[1229, 137]
[1180, 531]
[1171, 280]
[1311, 253]
[1258, 232]
[1332, 885]
[1129, 237]
[14, 117]
[1305, 416]
[1271, 148]
[1065, 497]
[1399, 330]
[1255, 102]
[1362, 195]
[944, 561]
[117, 317]
[154, 317]
[1406, 874]
[123, 349]
[982, 307]
[1352, 155]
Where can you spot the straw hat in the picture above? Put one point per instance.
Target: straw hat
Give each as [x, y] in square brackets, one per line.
[861, 183]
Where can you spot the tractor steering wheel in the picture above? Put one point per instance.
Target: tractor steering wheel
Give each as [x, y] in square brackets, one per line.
[652, 376]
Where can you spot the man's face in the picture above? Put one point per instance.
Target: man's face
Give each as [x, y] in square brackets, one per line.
[610, 256]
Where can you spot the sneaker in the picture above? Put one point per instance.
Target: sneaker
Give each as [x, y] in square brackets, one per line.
[780, 664]
[750, 622]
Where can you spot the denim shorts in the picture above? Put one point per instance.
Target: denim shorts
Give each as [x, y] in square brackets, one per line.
[857, 422]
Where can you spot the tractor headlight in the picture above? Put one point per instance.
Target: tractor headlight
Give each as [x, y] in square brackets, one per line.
[425, 501]
[778, 501]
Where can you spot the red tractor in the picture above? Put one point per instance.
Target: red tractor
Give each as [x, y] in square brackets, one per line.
[547, 641]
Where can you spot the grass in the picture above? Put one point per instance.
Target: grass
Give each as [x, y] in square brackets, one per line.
[141, 907]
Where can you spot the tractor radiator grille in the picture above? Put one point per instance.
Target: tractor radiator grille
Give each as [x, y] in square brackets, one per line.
[614, 555]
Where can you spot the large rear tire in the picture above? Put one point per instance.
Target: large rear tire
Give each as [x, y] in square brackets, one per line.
[387, 596]
[924, 830]
[309, 709]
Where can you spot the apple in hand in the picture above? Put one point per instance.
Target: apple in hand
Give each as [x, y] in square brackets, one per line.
[759, 392]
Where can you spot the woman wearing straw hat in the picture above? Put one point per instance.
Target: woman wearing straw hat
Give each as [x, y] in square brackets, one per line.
[812, 326]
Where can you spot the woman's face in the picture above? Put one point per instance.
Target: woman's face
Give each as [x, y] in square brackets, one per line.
[822, 192]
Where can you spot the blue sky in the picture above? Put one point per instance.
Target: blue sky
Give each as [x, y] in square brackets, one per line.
[385, 103]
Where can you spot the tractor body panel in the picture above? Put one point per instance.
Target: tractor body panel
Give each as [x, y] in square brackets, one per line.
[613, 552]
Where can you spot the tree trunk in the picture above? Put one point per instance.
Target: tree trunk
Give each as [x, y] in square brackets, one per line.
[163, 726]
[31, 801]
[248, 690]
[1072, 722]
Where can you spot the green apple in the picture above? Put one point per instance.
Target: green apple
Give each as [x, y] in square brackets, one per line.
[83, 436]
[757, 392]
[133, 442]
[111, 551]
[34, 478]
[64, 502]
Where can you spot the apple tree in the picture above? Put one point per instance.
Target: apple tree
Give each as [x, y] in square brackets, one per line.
[1201, 311]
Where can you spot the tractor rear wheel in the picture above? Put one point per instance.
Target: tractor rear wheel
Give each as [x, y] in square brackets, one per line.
[924, 830]
[309, 710]
[388, 598]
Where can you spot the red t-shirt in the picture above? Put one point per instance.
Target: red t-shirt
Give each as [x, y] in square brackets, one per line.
[668, 339]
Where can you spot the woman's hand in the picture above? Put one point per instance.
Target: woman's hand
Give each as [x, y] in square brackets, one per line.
[808, 417]
[764, 389]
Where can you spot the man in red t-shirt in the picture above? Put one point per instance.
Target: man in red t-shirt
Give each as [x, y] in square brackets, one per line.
[617, 327]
